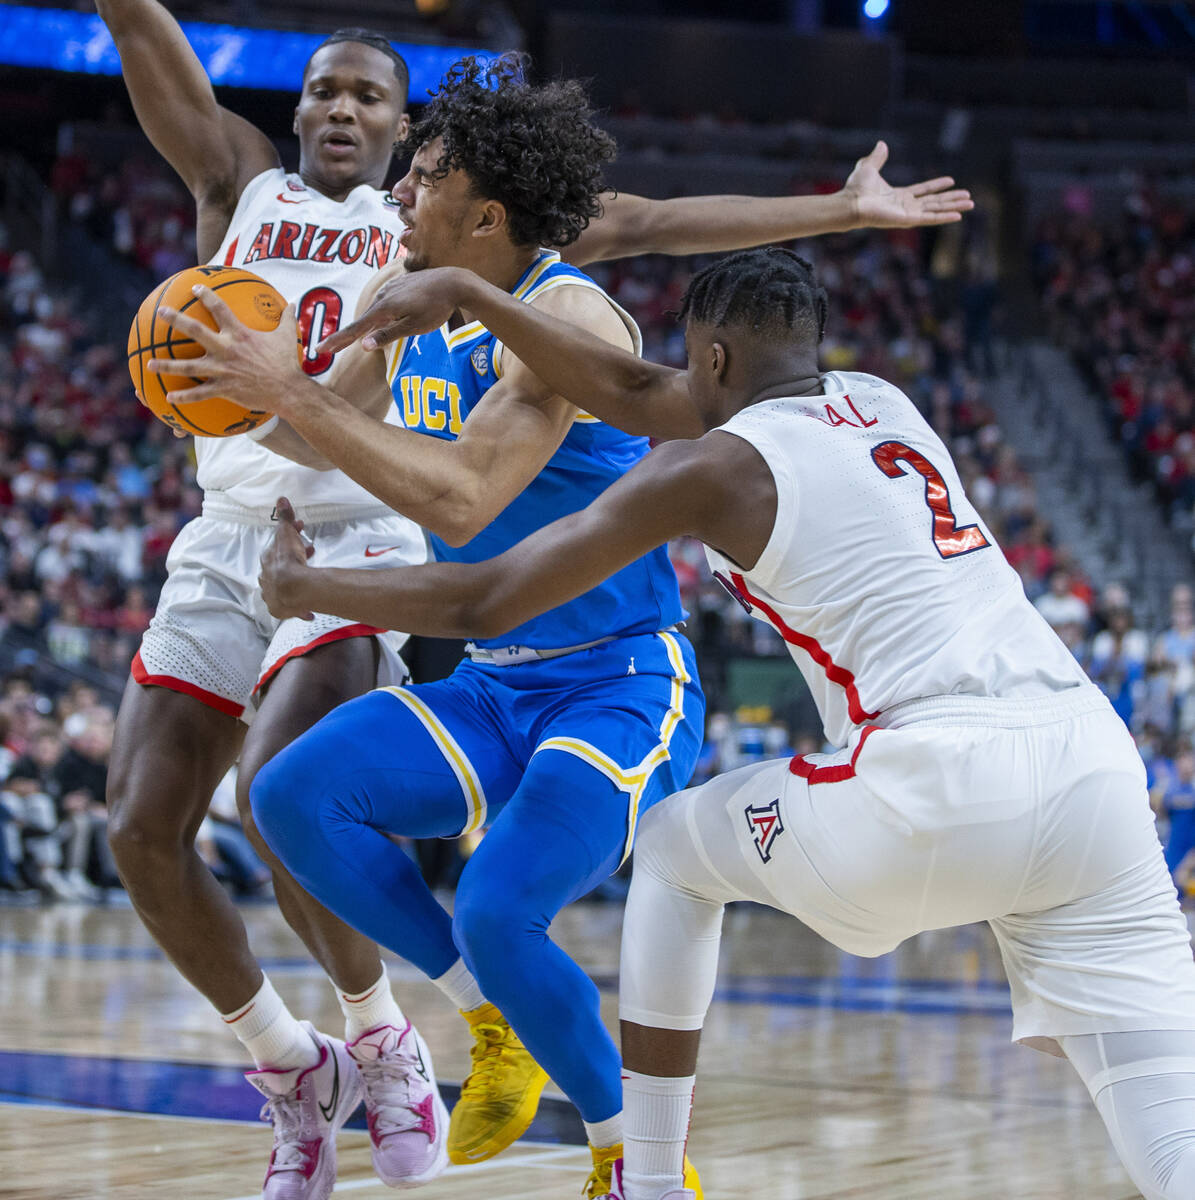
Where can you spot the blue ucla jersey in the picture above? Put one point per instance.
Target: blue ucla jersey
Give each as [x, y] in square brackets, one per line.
[438, 378]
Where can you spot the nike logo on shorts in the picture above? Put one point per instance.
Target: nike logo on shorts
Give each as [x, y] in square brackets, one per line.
[370, 553]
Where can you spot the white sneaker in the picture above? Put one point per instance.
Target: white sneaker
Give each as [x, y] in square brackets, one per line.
[408, 1122]
[307, 1106]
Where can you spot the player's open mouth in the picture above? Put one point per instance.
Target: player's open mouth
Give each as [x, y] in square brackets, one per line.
[339, 144]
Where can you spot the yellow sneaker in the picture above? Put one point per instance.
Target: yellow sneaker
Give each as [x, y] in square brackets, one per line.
[500, 1096]
[605, 1180]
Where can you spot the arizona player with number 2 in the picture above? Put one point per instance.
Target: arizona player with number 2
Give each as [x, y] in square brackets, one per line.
[834, 513]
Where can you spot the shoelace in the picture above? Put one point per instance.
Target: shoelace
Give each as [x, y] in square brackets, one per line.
[389, 1087]
[283, 1112]
[600, 1181]
[486, 1053]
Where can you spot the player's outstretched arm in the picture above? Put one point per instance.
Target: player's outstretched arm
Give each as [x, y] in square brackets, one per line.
[553, 342]
[703, 224]
[717, 488]
[214, 151]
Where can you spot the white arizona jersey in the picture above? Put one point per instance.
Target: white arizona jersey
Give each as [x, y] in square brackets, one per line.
[879, 574]
[320, 254]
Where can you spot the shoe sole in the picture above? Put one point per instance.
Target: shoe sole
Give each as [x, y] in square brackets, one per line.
[509, 1133]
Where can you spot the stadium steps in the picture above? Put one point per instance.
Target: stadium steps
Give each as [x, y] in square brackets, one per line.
[1116, 528]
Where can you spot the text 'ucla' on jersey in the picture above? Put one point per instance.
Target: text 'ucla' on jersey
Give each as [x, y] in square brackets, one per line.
[438, 378]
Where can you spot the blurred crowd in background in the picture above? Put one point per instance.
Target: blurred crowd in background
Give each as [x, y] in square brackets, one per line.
[92, 493]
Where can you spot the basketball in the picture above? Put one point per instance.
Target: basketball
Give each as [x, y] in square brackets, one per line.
[255, 303]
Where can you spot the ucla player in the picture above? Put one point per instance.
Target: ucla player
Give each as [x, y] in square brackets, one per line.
[214, 658]
[970, 733]
[560, 733]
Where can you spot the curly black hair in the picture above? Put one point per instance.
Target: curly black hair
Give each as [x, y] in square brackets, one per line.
[770, 290]
[534, 149]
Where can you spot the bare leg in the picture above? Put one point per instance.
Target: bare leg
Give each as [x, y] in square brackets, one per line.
[169, 752]
[305, 690]
[667, 1053]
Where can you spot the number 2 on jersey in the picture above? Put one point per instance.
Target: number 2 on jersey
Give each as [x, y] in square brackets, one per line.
[319, 318]
[950, 538]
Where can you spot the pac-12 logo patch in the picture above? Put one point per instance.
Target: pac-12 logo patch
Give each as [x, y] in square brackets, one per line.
[765, 826]
[480, 359]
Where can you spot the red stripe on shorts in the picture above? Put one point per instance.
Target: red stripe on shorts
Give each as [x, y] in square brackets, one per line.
[801, 766]
[219, 703]
[333, 635]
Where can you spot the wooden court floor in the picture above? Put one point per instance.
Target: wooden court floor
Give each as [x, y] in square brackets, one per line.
[821, 1075]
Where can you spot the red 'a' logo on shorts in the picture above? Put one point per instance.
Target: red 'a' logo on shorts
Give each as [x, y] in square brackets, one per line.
[765, 826]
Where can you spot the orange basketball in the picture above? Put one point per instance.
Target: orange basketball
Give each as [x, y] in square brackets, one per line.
[255, 303]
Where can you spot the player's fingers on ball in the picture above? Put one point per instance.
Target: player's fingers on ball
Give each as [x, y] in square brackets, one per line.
[186, 325]
[191, 395]
[186, 367]
[214, 304]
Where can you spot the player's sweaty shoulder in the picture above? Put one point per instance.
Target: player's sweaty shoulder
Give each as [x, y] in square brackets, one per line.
[587, 307]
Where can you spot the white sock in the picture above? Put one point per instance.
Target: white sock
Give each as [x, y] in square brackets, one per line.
[460, 987]
[368, 1009]
[604, 1134]
[657, 1127]
[268, 1030]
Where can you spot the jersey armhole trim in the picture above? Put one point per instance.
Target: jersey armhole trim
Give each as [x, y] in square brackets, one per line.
[780, 538]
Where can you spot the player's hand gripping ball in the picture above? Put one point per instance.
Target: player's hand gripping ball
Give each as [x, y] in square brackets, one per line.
[255, 303]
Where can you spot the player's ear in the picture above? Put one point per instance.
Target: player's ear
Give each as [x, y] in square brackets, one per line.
[294, 125]
[404, 127]
[491, 219]
[717, 360]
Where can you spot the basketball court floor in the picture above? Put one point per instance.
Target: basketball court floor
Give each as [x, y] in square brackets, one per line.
[821, 1075]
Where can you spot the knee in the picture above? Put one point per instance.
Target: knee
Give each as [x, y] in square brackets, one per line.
[143, 842]
[270, 801]
[483, 928]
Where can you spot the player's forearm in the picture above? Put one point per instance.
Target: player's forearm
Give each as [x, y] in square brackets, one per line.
[706, 224]
[610, 383]
[634, 225]
[437, 600]
[422, 477]
[171, 93]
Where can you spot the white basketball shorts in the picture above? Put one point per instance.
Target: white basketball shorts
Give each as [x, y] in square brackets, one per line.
[212, 636]
[1031, 815]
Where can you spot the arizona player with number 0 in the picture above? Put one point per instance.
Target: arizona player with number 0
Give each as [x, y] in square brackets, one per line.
[970, 733]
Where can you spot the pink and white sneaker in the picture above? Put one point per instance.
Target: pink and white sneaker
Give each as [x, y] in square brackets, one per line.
[408, 1123]
[307, 1106]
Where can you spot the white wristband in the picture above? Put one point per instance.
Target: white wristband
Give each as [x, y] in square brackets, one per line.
[263, 430]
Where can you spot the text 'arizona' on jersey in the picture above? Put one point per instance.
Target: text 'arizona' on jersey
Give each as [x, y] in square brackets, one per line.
[879, 574]
[438, 378]
[319, 253]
